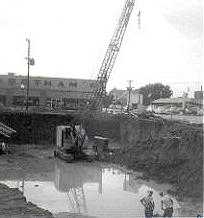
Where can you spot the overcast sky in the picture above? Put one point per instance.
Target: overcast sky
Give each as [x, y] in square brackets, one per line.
[69, 39]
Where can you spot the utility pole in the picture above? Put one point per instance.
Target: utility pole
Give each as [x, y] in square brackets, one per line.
[28, 75]
[129, 88]
[139, 19]
[30, 61]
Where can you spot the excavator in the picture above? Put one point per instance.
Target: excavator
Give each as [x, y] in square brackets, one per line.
[69, 140]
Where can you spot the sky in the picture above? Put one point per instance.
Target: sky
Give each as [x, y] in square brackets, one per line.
[69, 39]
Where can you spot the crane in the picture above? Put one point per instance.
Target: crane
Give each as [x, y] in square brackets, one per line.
[99, 89]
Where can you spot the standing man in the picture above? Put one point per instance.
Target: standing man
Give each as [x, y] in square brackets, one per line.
[148, 204]
[166, 205]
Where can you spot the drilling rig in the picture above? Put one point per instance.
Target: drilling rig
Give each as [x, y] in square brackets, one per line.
[99, 90]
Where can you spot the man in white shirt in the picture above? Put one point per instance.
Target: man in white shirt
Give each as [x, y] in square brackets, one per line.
[148, 204]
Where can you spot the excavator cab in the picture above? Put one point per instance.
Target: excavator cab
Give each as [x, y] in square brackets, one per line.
[70, 144]
[65, 143]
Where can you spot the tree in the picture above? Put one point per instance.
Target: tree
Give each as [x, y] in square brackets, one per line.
[155, 91]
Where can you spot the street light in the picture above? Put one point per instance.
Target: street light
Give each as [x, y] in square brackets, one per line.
[22, 86]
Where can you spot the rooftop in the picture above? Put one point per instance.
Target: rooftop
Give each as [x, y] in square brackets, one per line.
[173, 100]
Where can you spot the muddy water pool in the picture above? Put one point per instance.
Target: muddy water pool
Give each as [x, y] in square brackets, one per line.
[91, 190]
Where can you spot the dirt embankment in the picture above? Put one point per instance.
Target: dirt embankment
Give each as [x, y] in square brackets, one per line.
[34, 128]
[13, 204]
[21, 165]
[168, 151]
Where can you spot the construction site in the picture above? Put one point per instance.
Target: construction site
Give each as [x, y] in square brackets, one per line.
[88, 163]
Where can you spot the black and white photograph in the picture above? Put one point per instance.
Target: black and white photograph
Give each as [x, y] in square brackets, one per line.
[101, 108]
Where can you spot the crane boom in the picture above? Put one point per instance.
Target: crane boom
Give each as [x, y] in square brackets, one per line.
[99, 89]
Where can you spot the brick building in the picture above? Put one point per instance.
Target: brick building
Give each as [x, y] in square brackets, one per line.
[44, 91]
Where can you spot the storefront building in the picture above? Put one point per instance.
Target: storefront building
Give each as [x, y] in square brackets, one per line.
[44, 92]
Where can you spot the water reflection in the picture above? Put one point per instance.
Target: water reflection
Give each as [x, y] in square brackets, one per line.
[88, 189]
[71, 179]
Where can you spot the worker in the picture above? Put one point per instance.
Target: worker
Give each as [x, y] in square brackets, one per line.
[83, 136]
[166, 205]
[148, 204]
[68, 138]
[80, 136]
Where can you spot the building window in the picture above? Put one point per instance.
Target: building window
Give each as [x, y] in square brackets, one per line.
[54, 102]
[82, 102]
[60, 84]
[33, 101]
[47, 83]
[37, 83]
[24, 81]
[69, 103]
[73, 84]
[48, 102]
[19, 100]
[11, 82]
